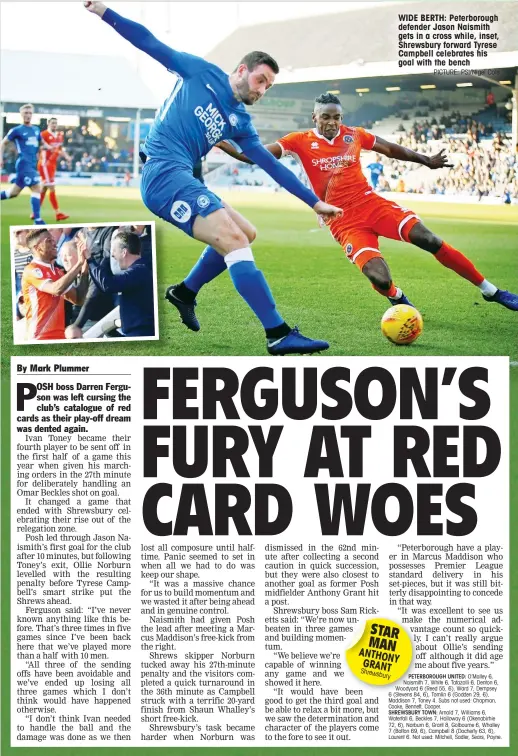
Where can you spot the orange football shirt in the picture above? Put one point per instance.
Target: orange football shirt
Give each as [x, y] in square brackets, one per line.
[332, 165]
[55, 140]
[45, 313]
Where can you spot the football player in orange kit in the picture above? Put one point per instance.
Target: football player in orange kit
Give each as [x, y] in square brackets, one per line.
[330, 156]
[47, 164]
[45, 288]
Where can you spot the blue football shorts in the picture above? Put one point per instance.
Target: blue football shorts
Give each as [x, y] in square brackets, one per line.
[26, 176]
[175, 195]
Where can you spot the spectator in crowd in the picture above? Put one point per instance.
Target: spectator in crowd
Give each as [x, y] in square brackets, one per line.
[376, 169]
[97, 303]
[383, 184]
[498, 142]
[22, 257]
[481, 169]
[126, 273]
[146, 243]
[66, 235]
[20, 324]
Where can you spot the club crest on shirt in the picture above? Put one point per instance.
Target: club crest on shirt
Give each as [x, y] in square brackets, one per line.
[348, 249]
[37, 273]
[348, 138]
[233, 119]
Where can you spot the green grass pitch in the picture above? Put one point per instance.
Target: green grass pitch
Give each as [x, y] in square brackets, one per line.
[314, 285]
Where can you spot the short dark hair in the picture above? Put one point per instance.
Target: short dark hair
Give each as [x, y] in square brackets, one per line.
[327, 99]
[258, 58]
[128, 240]
[33, 236]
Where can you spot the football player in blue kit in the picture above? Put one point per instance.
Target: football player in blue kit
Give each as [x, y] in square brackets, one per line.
[27, 139]
[205, 106]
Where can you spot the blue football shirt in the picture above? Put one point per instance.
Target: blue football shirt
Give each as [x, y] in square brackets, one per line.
[27, 141]
[200, 112]
[201, 109]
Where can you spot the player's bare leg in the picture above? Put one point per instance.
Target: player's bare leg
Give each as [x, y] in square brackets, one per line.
[223, 231]
[225, 237]
[243, 223]
[378, 272]
[451, 258]
[13, 191]
[210, 264]
[208, 267]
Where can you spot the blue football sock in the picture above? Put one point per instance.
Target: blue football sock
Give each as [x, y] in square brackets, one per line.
[4, 194]
[35, 205]
[251, 284]
[208, 267]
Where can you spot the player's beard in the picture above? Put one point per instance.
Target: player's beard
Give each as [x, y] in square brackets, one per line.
[245, 94]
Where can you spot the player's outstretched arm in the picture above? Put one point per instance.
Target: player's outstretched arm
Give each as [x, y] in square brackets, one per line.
[77, 294]
[287, 179]
[274, 148]
[97, 8]
[182, 63]
[59, 287]
[396, 151]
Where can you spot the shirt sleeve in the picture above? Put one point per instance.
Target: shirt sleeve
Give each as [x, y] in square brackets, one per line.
[103, 277]
[290, 142]
[33, 277]
[248, 136]
[178, 62]
[367, 139]
[280, 173]
[12, 134]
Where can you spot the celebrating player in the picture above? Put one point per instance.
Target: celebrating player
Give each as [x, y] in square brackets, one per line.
[47, 164]
[27, 139]
[330, 155]
[45, 287]
[205, 106]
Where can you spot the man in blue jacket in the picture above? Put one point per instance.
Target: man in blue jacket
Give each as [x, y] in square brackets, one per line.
[206, 106]
[127, 274]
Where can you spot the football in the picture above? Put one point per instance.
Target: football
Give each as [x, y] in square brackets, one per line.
[402, 324]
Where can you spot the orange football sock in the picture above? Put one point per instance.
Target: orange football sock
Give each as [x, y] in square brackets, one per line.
[392, 292]
[454, 260]
[53, 200]
[42, 197]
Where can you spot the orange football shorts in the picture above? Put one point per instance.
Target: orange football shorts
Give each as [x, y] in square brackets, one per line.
[360, 227]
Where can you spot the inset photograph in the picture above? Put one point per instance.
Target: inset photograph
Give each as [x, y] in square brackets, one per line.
[84, 283]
